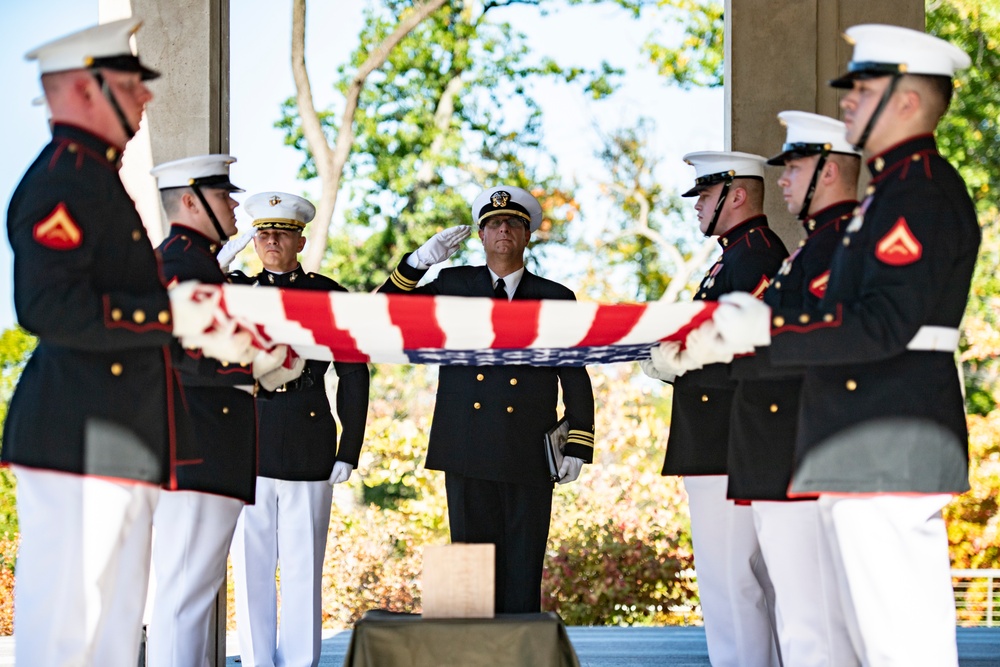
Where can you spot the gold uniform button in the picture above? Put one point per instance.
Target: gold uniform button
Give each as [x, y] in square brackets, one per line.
[111, 154]
[870, 190]
[828, 317]
[117, 369]
[244, 364]
[916, 157]
[139, 316]
[225, 409]
[703, 295]
[847, 241]
[312, 414]
[116, 314]
[510, 408]
[476, 405]
[164, 316]
[72, 148]
[803, 318]
[136, 235]
[777, 285]
[480, 377]
[513, 381]
[774, 407]
[704, 398]
[778, 321]
[225, 364]
[851, 385]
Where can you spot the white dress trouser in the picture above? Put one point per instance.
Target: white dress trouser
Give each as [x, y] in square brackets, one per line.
[193, 532]
[895, 577]
[288, 524]
[812, 631]
[82, 569]
[737, 622]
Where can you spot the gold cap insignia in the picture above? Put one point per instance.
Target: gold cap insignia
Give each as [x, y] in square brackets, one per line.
[274, 201]
[500, 198]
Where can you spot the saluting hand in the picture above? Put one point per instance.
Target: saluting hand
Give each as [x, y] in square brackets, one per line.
[439, 247]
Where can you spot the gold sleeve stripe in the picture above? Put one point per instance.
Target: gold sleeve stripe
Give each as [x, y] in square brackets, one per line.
[581, 437]
[402, 282]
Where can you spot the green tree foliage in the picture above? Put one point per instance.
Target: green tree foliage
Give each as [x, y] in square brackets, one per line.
[16, 345]
[648, 249]
[450, 111]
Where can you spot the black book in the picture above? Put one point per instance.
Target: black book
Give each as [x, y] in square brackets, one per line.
[555, 443]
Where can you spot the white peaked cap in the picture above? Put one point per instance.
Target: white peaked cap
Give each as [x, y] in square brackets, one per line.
[713, 167]
[507, 200]
[881, 50]
[279, 210]
[807, 134]
[105, 45]
[207, 171]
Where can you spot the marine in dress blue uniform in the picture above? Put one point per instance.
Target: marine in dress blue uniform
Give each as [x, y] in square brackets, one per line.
[819, 184]
[91, 433]
[194, 523]
[882, 436]
[300, 460]
[489, 421]
[738, 623]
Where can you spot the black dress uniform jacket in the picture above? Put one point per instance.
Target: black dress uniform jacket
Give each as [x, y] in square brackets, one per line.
[97, 396]
[223, 416]
[296, 429]
[876, 416]
[490, 421]
[766, 404]
[702, 400]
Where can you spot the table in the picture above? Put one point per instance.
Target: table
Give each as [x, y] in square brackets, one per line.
[386, 639]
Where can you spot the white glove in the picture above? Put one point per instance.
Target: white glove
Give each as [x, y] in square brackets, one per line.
[439, 247]
[193, 307]
[743, 322]
[233, 247]
[705, 346]
[265, 361]
[341, 472]
[282, 374]
[224, 344]
[570, 469]
[650, 369]
[670, 359]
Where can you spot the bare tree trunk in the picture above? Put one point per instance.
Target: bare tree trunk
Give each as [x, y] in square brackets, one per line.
[330, 161]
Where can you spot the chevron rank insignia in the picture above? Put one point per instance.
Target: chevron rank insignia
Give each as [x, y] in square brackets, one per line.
[58, 231]
[817, 286]
[899, 247]
[761, 287]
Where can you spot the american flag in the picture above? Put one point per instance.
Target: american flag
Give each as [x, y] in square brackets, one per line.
[463, 331]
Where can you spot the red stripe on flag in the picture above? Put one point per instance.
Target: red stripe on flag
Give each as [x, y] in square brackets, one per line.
[611, 324]
[515, 323]
[703, 315]
[312, 309]
[417, 320]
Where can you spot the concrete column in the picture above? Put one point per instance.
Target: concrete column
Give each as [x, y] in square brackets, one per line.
[780, 55]
[187, 41]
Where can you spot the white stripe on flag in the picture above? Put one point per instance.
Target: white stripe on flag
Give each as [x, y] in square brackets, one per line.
[563, 323]
[659, 320]
[467, 323]
[366, 317]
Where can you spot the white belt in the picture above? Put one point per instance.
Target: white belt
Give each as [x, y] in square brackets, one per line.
[935, 339]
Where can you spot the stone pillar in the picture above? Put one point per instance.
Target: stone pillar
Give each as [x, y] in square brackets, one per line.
[187, 41]
[780, 55]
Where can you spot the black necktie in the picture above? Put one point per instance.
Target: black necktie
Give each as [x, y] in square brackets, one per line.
[500, 291]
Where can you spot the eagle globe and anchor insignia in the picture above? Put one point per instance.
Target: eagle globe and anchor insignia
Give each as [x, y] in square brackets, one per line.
[274, 201]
